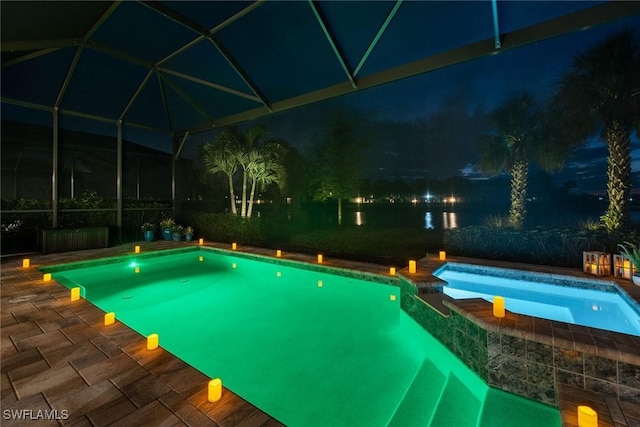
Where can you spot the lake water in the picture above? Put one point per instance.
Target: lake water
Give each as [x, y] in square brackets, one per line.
[443, 217]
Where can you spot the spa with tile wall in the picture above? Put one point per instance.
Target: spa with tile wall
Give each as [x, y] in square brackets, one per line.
[511, 357]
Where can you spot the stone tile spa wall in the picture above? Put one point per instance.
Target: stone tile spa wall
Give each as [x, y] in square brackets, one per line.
[527, 363]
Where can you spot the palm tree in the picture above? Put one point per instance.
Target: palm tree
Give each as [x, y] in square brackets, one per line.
[259, 158]
[265, 168]
[245, 144]
[518, 126]
[602, 91]
[219, 157]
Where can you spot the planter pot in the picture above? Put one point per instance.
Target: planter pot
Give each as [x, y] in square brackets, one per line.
[636, 279]
[149, 235]
[166, 234]
[188, 237]
[177, 237]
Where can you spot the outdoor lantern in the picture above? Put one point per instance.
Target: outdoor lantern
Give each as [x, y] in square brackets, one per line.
[214, 391]
[137, 249]
[443, 255]
[622, 267]
[201, 242]
[596, 263]
[498, 307]
[26, 262]
[109, 318]
[234, 246]
[587, 417]
[152, 341]
[46, 277]
[412, 266]
[75, 294]
[392, 271]
[319, 258]
[278, 253]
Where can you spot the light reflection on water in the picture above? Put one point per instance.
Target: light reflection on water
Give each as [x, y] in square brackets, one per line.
[437, 219]
[447, 221]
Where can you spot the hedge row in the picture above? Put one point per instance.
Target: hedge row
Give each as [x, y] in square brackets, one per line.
[546, 246]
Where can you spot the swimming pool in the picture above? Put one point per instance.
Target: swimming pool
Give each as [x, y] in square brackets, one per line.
[308, 347]
[582, 302]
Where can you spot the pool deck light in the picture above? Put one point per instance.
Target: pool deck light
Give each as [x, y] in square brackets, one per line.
[136, 249]
[412, 266]
[278, 253]
[152, 341]
[442, 256]
[109, 318]
[214, 390]
[75, 293]
[320, 259]
[201, 241]
[498, 307]
[46, 277]
[392, 271]
[26, 263]
[234, 246]
[622, 267]
[596, 263]
[587, 417]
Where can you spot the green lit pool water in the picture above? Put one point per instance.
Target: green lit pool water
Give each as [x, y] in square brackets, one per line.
[307, 347]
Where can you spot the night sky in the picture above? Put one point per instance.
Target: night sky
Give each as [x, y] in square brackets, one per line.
[425, 127]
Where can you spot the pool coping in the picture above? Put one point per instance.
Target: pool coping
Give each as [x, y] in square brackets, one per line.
[33, 331]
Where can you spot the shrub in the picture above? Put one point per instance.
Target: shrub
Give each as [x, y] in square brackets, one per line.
[496, 221]
[228, 228]
[538, 245]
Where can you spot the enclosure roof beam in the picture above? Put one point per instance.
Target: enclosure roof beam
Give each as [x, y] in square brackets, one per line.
[576, 21]
[29, 56]
[373, 43]
[22, 45]
[205, 33]
[209, 84]
[103, 18]
[163, 96]
[67, 79]
[179, 150]
[35, 106]
[331, 39]
[496, 24]
[189, 100]
[136, 94]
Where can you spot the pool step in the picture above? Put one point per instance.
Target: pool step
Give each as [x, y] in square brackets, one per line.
[420, 400]
[457, 406]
